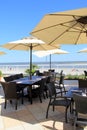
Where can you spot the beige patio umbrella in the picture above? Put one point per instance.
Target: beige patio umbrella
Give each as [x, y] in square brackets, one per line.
[69, 27]
[83, 50]
[50, 52]
[28, 43]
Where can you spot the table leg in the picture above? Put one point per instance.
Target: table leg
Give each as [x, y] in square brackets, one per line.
[30, 93]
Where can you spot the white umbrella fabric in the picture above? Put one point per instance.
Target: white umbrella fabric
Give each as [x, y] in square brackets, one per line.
[28, 43]
[69, 27]
[83, 50]
[49, 52]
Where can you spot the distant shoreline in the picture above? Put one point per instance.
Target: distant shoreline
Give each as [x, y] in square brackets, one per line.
[69, 67]
[44, 62]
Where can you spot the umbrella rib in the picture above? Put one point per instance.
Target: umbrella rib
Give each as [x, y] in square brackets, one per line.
[51, 26]
[79, 36]
[66, 15]
[80, 24]
[72, 27]
[62, 34]
[40, 45]
[14, 46]
[83, 27]
[45, 48]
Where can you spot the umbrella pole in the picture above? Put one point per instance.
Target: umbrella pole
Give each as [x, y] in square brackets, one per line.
[31, 61]
[50, 61]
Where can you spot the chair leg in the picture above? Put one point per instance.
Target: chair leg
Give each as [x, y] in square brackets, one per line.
[22, 101]
[5, 103]
[16, 102]
[44, 96]
[53, 107]
[61, 92]
[47, 111]
[46, 93]
[22, 96]
[66, 114]
[70, 108]
[40, 98]
[64, 90]
[10, 101]
[75, 123]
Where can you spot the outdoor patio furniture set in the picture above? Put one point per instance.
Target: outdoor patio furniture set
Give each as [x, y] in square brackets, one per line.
[67, 99]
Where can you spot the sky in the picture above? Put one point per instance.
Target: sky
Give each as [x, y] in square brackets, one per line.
[19, 17]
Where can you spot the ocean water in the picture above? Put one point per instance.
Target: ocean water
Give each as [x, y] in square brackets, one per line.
[74, 67]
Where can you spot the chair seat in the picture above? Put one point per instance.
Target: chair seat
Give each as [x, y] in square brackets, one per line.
[61, 102]
[81, 121]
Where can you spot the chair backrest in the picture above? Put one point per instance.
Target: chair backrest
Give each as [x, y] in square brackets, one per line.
[61, 73]
[61, 81]
[9, 89]
[85, 72]
[51, 70]
[8, 78]
[48, 79]
[51, 89]
[19, 76]
[37, 72]
[13, 77]
[80, 103]
[42, 85]
[82, 83]
[40, 74]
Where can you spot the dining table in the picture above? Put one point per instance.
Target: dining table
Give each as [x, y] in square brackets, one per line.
[69, 94]
[27, 82]
[81, 91]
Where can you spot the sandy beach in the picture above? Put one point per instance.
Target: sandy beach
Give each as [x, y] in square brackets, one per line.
[74, 68]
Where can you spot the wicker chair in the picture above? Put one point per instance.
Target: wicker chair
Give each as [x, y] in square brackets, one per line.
[10, 93]
[56, 100]
[60, 85]
[82, 83]
[38, 90]
[80, 108]
[85, 72]
[19, 88]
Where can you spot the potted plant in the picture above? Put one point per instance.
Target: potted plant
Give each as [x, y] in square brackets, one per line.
[34, 67]
[1, 74]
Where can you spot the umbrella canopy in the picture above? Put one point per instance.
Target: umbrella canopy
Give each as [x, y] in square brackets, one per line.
[83, 50]
[28, 43]
[49, 52]
[69, 27]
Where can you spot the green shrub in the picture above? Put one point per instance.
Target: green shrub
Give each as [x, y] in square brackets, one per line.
[34, 67]
[74, 76]
[1, 74]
